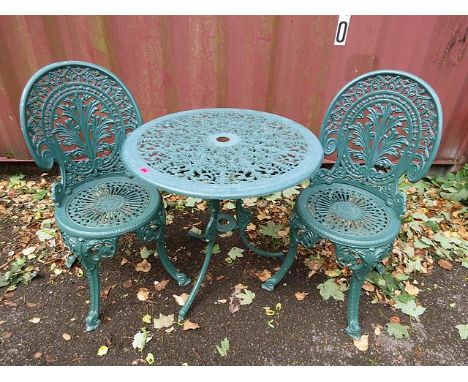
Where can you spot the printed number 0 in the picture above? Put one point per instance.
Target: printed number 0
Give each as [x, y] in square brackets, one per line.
[341, 31]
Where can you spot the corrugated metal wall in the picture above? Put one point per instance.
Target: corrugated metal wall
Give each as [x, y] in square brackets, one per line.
[285, 64]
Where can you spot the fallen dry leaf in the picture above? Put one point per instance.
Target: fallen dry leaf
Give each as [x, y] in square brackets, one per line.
[37, 355]
[368, 286]
[160, 285]
[263, 275]
[163, 321]
[127, 284]
[28, 251]
[239, 287]
[311, 273]
[201, 206]
[35, 320]
[189, 325]
[143, 294]
[222, 301]
[105, 292]
[300, 295]
[262, 216]
[66, 336]
[124, 261]
[251, 227]
[181, 299]
[378, 330]
[395, 319]
[363, 343]
[143, 266]
[445, 264]
[413, 290]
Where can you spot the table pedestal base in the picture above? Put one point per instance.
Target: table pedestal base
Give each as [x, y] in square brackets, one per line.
[221, 222]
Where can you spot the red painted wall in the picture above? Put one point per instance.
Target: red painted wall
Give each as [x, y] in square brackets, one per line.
[287, 65]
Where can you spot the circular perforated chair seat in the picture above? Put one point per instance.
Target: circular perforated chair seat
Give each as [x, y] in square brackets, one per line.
[347, 215]
[107, 206]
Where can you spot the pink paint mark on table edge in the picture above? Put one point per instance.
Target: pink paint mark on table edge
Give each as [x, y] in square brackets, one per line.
[144, 170]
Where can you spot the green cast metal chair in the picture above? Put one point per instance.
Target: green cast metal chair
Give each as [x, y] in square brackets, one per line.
[77, 115]
[381, 126]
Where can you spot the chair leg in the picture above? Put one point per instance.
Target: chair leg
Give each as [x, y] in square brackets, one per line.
[361, 261]
[298, 235]
[156, 230]
[89, 252]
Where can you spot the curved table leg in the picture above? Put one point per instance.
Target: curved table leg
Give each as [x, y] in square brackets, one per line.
[211, 233]
[244, 217]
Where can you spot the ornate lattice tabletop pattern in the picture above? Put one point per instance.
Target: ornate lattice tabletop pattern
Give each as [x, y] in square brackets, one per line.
[222, 153]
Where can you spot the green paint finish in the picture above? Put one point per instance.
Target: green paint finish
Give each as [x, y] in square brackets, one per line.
[382, 125]
[77, 115]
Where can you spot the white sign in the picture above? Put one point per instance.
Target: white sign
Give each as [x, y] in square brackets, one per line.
[342, 29]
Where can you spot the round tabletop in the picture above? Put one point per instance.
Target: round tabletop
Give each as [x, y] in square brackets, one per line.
[222, 153]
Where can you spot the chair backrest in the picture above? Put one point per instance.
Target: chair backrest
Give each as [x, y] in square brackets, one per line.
[77, 114]
[382, 125]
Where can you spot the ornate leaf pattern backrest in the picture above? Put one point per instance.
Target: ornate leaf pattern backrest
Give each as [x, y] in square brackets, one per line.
[382, 125]
[77, 114]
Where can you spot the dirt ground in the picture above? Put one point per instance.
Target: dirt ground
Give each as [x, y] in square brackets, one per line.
[308, 332]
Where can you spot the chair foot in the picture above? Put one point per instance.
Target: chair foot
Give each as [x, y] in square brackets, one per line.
[269, 285]
[182, 279]
[354, 331]
[92, 322]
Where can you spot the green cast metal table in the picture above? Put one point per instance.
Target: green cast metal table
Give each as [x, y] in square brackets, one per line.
[222, 154]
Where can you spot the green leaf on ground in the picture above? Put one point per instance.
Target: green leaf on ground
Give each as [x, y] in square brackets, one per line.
[234, 253]
[463, 331]
[331, 288]
[397, 330]
[17, 273]
[422, 243]
[216, 249]
[229, 206]
[223, 348]
[45, 234]
[246, 297]
[273, 197]
[195, 231]
[145, 253]
[16, 181]
[190, 202]
[146, 319]
[271, 229]
[290, 192]
[102, 350]
[150, 359]
[40, 194]
[410, 308]
[163, 321]
[141, 339]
